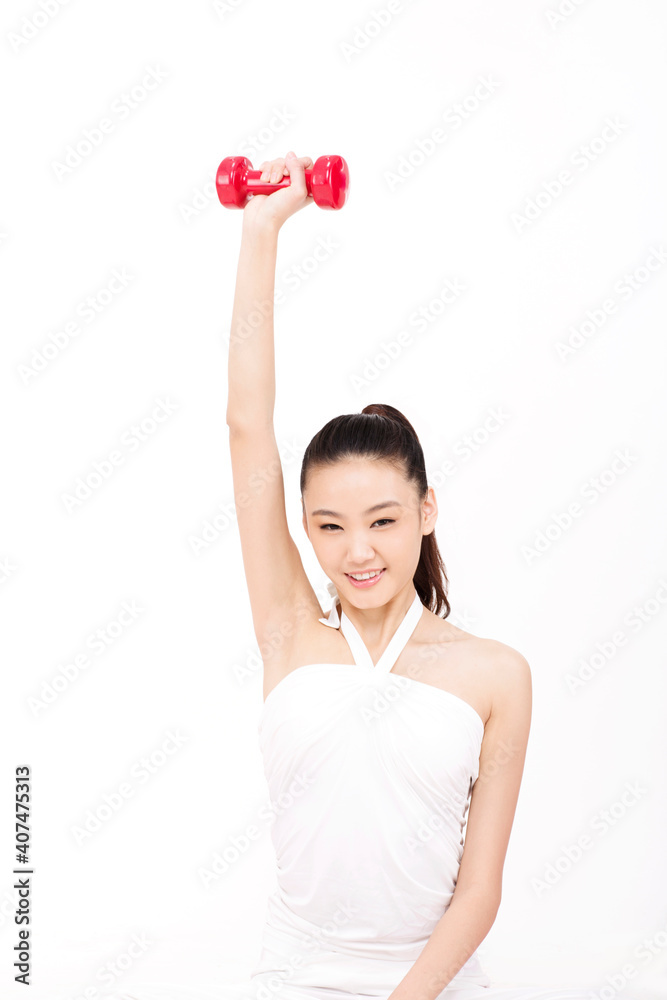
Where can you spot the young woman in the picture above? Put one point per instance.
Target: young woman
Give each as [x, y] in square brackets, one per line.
[387, 729]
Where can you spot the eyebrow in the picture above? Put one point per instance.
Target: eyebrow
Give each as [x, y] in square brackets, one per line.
[371, 510]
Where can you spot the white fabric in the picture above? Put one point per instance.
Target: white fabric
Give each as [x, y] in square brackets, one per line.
[375, 771]
[349, 850]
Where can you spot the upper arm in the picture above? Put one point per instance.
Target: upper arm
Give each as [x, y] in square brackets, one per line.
[496, 791]
[279, 590]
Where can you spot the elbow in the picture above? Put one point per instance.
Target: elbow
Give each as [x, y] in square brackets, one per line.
[494, 894]
[488, 897]
[495, 898]
[487, 904]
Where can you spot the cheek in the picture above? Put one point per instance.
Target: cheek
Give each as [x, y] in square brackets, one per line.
[324, 541]
[405, 543]
[397, 545]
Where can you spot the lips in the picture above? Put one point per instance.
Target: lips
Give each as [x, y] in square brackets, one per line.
[370, 582]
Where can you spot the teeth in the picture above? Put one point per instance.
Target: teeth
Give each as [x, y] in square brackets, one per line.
[363, 576]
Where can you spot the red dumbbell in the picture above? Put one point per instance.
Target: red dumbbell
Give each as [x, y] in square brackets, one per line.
[328, 180]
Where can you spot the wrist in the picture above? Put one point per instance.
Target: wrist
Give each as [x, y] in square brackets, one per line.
[264, 230]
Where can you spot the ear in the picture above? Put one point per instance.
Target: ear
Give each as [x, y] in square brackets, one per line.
[429, 512]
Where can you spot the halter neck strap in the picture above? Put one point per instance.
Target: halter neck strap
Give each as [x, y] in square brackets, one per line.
[395, 645]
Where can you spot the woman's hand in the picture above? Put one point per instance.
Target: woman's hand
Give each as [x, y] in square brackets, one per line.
[274, 209]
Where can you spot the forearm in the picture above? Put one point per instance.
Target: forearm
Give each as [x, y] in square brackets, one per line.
[455, 937]
[251, 366]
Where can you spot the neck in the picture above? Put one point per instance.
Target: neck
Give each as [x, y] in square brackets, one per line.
[377, 625]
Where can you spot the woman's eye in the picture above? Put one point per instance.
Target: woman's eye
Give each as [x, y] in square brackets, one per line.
[382, 520]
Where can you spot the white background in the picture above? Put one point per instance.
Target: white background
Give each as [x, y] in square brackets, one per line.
[323, 78]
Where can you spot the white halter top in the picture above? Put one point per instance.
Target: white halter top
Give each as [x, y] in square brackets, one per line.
[369, 775]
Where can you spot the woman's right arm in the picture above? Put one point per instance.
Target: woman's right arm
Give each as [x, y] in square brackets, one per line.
[277, 583]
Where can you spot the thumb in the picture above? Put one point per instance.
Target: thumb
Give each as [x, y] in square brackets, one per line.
[296, 170]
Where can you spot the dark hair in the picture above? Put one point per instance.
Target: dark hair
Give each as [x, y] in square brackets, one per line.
[381, 431]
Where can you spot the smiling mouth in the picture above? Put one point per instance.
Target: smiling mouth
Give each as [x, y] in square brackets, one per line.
[361, 577]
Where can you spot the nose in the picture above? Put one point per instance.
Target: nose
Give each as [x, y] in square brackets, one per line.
[359, 551]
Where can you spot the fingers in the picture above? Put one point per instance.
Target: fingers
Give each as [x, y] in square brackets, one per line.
[305, 161]
[274, 170]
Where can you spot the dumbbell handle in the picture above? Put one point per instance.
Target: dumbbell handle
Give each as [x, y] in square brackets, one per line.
[255, 186]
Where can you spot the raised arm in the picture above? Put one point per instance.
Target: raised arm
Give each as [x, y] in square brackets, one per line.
[276, 580]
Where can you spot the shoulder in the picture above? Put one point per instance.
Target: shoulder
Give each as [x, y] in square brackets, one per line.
[492, 674]
[507, 664]
[510, 682]
[511, 665]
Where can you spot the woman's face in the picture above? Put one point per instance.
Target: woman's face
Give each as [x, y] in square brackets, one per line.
[362, 515]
